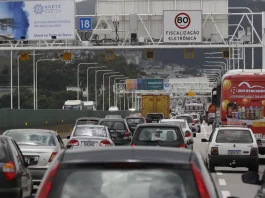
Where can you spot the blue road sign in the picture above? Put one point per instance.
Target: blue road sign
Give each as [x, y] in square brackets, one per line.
[85, 24]
[166, 84]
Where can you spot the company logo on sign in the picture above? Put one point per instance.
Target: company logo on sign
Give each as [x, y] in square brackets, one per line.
[248, 89]
[248, 85]
[155, 83]
[54, 8]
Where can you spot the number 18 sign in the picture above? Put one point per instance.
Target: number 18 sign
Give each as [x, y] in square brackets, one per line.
[85, 24]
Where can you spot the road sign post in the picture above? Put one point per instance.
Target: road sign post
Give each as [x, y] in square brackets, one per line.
[182, 26]
[85, 24]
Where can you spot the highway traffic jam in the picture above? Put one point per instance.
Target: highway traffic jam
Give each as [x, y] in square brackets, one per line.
[191, 150]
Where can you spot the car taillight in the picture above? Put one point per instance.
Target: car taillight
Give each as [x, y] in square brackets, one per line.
[214, 151]
[127, 133]
[193, 122]
[52, 156]
[259, 143]
[203, 191]
[47, 183]
[104, 143]
[73, 143]
[9, 170]
[254, 152]
[133, 145]
[187, 134]
[182, 146]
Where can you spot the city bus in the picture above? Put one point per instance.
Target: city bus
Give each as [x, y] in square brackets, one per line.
[243, 100]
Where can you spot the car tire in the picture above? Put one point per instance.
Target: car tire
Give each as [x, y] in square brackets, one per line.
[211, 167]
[254, 168]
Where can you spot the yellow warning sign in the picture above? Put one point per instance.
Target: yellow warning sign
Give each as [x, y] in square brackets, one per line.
[190, 93]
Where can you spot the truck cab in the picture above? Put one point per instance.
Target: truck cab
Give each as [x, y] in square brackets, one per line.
[90, 105]
[73, 105]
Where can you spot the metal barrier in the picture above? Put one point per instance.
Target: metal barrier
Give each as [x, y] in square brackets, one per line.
[26, 118]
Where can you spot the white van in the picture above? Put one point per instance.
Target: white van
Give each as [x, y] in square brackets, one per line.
[113, 108]
[73, 105]
[90, 105]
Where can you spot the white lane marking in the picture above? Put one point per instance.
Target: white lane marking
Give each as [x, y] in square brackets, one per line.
[219, 173]
[225, 194]
[222, 182]
[204, 131]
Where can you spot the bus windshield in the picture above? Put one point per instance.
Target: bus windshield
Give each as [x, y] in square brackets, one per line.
[72, 107]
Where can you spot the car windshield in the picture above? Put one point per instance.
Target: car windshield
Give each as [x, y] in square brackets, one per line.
[180, 123]
[126, 183]
[188, 118]
[135, 120]
[33, 138]
[113, 116]
[72, 107]
[159, 133]
[87, 122]
[90, 131]
[234, 136]
[90, 108]
[115, 125]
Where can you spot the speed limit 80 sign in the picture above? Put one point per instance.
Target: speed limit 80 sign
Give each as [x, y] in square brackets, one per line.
[182, 26]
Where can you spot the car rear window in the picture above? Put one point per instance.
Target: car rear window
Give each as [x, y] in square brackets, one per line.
[164, 134]
[90, 131]
[188, 118]
[135, 120]
[115, 125]
[234, 136]
[181, 124]
[87, 122]
[3, 151]
[125, 183]
[195, 116]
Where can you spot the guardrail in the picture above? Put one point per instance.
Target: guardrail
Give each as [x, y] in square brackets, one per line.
[27, 118]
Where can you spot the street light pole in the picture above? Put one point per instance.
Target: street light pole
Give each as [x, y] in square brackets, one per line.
[109, 84]
[77, 86]
[121, 78]
[96, 90]
[103, 92]
[87, 78]
[37, 77]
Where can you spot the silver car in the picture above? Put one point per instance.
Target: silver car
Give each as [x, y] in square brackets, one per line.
[40, 144]
[90, 136]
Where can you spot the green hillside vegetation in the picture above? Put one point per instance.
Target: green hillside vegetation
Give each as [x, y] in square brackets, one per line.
[54, 77]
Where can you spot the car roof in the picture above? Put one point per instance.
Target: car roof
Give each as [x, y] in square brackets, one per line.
[172, 120]
[90, 118]
[157, 125]
[137, 117]
[32, 130]
[6, 138]
[90, 125]
[112, 119]
[184, 115]
[234, 128]
[128, 154]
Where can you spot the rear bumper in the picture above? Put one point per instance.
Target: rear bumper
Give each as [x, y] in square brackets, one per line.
[37, 174]
[240, 161]
[10, 192]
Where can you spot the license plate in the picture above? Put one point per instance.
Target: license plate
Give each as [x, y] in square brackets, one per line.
[27, 157]
[114, 134]
[234, 152]
[88, 143]
[154, 121]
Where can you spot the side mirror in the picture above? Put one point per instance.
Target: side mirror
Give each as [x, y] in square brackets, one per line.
[194, 134]
[68, 137]
[32, 161]
[251, 178]
[193, 129]
[204, 140]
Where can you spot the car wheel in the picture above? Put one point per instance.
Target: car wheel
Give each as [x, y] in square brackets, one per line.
[211, 167]
[254, 168]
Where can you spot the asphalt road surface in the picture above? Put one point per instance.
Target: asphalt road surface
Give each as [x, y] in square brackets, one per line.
[228, 180]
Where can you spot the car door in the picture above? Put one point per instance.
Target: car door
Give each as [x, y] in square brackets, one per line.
[26, 180]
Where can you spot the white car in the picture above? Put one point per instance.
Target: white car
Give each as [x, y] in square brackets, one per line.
[184, 126]
[232, 146]
[90, 136]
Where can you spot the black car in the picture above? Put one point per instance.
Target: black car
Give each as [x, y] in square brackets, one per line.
[87, 120]
[254, 178]
[154, 117]
[133, 121]
[135, 172]
[164, 135]
[15, 178]
[119, 130]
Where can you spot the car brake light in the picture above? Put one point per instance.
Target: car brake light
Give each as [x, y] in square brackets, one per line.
[47, 183]
[203, 191]
[133, 145]
[254, 152]
[104, 143]
[214, 151]
[193, 122]
[187, 134]
[127, 133]
[9, 170]
[73, 143]
[182, 146]
[52, 156]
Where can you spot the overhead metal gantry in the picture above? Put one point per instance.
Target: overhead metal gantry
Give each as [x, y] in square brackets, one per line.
[149, 42]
